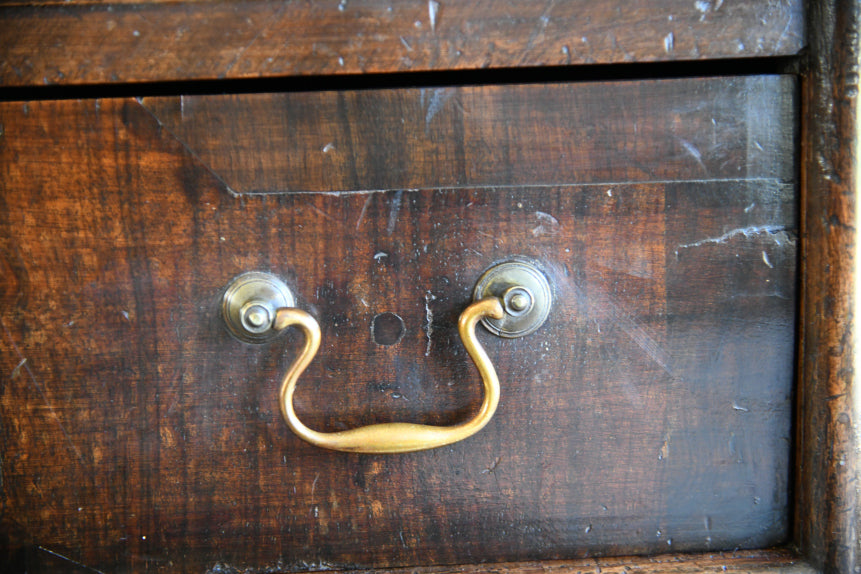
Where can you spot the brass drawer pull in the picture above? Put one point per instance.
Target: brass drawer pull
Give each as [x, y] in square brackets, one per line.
[511, 299]
[391, 437]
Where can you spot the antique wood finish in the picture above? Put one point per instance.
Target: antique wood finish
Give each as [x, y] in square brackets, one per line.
[737, 562]
[651, 413]
[98, 42]
[827, 511]
[360, 141]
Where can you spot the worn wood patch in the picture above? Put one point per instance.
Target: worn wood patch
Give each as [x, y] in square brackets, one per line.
[94, 42]
[651, 413]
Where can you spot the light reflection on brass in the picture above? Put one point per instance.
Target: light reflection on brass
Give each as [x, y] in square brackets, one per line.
[391, 437]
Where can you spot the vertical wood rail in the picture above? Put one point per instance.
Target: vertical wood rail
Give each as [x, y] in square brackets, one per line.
[827, 479]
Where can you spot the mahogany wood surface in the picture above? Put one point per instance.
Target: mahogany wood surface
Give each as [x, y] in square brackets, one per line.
[652, 413]
[114, 42]
[736, 562]
[740, 561]
[829, 467]
[647, 131]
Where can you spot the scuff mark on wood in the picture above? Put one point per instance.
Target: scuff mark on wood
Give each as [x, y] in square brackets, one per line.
[433, 12]
[394, 211]
[547, 224]
[778, 232]
[429, 321]
[438, 99]
[695, 153]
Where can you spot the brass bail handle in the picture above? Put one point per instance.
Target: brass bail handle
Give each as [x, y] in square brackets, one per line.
[391, 437]
[503, 309]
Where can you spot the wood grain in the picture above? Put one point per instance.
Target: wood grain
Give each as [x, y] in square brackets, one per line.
[652, 412]
[737, 562]
[827, 509]
[393, 139]
[96, 42]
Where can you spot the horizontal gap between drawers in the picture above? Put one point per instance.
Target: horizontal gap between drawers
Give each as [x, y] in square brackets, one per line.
[556, 74]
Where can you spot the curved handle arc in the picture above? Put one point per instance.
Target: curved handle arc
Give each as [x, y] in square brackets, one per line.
[391, 437]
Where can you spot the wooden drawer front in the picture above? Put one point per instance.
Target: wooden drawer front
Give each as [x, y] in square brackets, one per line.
[651, 413]
[144, 41]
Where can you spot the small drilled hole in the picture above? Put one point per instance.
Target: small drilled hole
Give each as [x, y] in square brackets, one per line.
[387, 329]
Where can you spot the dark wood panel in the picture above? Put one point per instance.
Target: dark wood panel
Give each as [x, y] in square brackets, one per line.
[651, 413]
[737, 562]
[828, 514]
[95, 42]
[488, 136]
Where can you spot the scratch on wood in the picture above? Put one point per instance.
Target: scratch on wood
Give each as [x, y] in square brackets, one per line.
[69, 560]
[538, 31]
[734, 449]
[774, 230]
[429, 320]
[439, 96]
[38, 388]
[269, 22]
[694, 153]
[314, 485]
[322, 213]
[394, 211]
[645, 341]
[364, 210]
[498, 187]
[433, 12]
[492, 466]
[602, 308]
[784, 33]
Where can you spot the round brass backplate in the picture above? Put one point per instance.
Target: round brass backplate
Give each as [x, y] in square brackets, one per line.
[525, 294]
[250, 303]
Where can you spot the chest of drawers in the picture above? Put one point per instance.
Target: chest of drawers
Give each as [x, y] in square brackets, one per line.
[689, 398]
